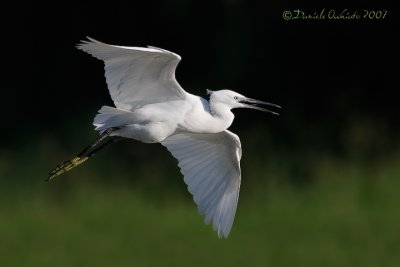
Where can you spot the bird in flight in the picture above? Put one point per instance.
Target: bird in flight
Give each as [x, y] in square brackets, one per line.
[151, 107]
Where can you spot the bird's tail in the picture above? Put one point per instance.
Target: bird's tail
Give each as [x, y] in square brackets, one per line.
[103, 140]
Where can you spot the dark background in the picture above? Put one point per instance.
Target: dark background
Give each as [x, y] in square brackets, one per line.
[327, 74]
[320, 182]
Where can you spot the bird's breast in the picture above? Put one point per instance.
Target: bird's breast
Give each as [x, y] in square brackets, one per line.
[204, 122]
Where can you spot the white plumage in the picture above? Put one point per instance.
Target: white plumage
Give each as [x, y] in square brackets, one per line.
[210, 164]
[152, 107]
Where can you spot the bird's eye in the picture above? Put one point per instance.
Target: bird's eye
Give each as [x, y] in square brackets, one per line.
[235, 97]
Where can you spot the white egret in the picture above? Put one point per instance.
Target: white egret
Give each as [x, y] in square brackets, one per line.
[152, 107]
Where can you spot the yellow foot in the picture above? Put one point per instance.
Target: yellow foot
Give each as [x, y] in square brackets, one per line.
[66, 166]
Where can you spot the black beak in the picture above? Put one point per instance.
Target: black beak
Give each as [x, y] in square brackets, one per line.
[253, 104]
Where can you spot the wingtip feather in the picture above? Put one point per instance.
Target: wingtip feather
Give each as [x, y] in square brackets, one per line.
[89, 41]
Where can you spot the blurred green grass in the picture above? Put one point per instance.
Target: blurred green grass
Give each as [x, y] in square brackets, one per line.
[128, 206]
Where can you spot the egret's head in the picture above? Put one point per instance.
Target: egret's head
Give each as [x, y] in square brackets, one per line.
[236, 100]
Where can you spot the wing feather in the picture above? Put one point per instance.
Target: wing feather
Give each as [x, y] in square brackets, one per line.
[210, 164]
[137, 76]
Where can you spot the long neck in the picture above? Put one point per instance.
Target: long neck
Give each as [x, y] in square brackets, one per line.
[222, 117]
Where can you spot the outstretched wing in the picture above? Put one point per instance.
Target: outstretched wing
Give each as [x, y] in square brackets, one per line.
[210, 164]
[137, 76]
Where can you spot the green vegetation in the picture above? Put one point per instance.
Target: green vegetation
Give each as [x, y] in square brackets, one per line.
[129, 207]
